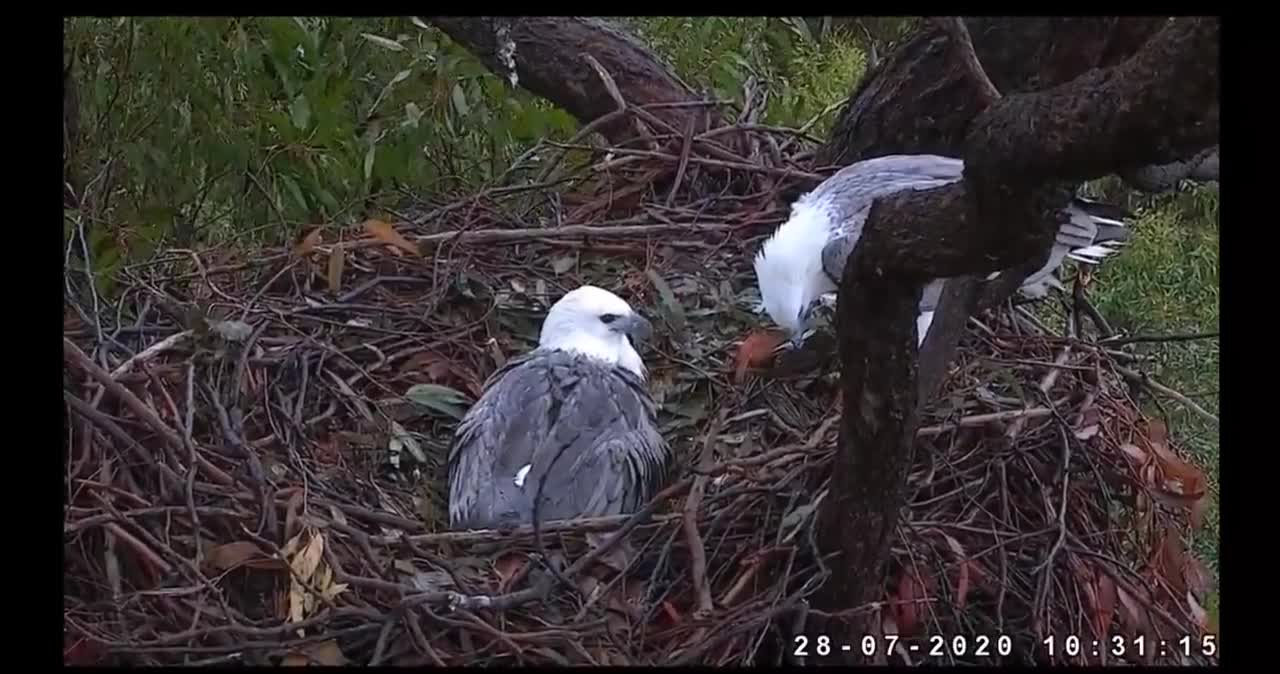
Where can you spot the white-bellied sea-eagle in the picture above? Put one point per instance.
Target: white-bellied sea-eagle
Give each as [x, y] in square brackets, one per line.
[802, 262]
[575, 412]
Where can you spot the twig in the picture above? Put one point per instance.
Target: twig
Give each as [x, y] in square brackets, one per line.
[684, 162]
[131, 401]
[722, 163]
[1146, 380]
[150, 352]
[568, 231]
[1185, 337]
[697, 551]
[984, 419]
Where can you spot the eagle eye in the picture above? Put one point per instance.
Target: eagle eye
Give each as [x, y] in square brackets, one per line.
[608, 318]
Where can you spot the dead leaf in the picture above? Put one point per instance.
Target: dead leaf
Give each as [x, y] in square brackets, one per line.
[962, 568]
[1170, 560]
[507, 567]
[230, 555]
[386, 233]
[1200, 615]
[307, 242]
[1133, 614]
[292, 508]
[672, 615]
[1198, 577]
[1105, 609]
[324, 654]
[337, 259]
[1087, 432]
[1134, 452]
[907, 608]
[756, 350]
[439, 368]
[304, 564]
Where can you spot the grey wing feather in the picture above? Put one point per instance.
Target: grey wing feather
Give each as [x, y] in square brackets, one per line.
[587, 432]
[849, 193]
[1090, 230]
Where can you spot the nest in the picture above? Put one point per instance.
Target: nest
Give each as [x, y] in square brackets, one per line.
[256, 446]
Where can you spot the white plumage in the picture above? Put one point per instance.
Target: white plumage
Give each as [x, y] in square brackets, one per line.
[802, 262]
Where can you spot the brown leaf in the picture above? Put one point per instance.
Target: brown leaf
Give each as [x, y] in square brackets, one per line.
[439, 369]
[962, 568]
[907, 608]
[231, 555]
[1105, 609]
[756, 350]
[672, 614]
[1200, 615]
[1133, 614]
[1134, 452]
[337, 259]
[1169, 560]
[307, 242]
[386, 233]
[323, 654]
[507, 567]
[1198, 578]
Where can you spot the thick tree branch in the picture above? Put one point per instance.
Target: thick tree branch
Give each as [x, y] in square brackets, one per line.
[549, 62]
[1021, 154]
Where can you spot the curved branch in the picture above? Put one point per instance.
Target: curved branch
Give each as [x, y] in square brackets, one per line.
[1021, 154]
[548, 62]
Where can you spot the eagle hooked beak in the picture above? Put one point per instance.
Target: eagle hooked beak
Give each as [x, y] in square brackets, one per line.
[635, 326]
[803, 332]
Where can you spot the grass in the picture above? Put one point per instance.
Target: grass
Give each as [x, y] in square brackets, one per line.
[1166, 282]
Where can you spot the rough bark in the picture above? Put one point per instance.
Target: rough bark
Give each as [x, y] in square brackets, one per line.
[549, 62]
[919, 99]
[1022, 155]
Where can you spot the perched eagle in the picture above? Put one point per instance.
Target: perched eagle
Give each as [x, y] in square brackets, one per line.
[802, 262]
[575, 411]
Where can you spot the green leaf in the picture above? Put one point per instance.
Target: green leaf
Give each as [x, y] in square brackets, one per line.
[300, 112]
[460, 100]
[294, 191]
[439, 399]
[368, 161]
[412, 113]
[383, 42]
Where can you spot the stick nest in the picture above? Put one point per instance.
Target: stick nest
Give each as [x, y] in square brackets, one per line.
[257, 443]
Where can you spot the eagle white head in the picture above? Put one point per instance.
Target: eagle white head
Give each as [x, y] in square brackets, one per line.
[789, 269]
[598, 324]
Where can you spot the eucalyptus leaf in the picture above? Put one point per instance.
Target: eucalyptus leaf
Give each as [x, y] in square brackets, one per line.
[300, 112]
[400, 438]
[386, 43]
[439, 399]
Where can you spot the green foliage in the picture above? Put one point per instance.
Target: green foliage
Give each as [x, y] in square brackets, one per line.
[216, 129]
[805, 75]
[227, 127]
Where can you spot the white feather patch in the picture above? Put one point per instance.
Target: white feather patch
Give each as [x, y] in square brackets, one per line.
[522, 474]
[1092, 254]
[923, 321]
